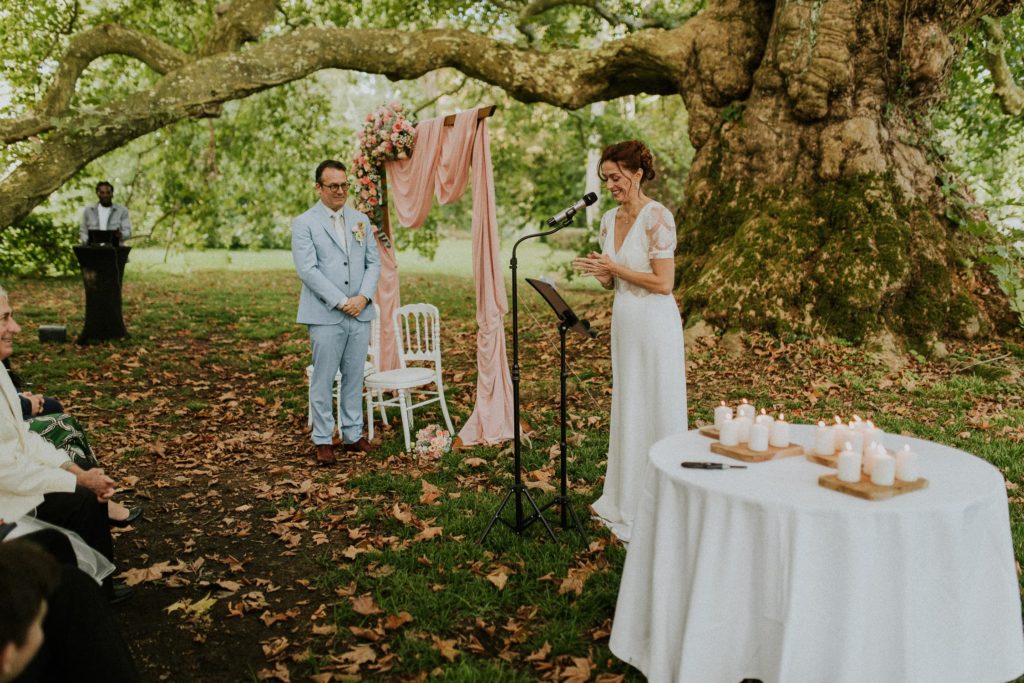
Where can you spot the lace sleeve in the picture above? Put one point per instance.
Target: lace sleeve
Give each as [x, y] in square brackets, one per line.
[661, 233]
[603, 233]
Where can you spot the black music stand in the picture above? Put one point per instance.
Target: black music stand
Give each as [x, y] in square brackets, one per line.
[518, 489]
[567, 320]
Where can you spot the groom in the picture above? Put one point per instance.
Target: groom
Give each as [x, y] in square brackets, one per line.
[336, 258]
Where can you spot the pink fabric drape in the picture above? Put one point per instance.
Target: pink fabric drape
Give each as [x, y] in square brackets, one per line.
[440, 165]
[389, 299]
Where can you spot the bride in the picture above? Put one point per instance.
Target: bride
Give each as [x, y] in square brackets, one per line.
[638, 240]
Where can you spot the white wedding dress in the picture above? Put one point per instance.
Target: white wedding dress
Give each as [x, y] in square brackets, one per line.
[648, 367]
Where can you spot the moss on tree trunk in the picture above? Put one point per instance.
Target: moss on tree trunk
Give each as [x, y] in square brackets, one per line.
[812, 206]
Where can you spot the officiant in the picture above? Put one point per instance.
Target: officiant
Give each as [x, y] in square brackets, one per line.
[106, 216]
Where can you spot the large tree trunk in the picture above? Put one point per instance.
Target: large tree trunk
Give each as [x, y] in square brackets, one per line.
[813, 205]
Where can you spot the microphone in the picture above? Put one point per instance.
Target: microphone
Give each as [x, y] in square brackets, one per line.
[587, 199]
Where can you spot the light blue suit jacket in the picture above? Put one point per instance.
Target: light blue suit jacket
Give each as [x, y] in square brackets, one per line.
[329, 274]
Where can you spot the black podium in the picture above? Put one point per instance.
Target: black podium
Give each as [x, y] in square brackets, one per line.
[102, 274]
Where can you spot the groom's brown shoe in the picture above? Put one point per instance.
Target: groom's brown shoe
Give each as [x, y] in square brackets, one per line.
[361, 446]
[325, 455]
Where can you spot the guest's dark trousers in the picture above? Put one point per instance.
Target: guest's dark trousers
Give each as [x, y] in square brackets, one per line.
[82, 513]
[82, 640]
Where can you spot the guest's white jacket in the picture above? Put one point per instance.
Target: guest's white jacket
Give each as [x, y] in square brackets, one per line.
[29, 465]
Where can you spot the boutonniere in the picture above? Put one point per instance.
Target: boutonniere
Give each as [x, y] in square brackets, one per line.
[359, 230]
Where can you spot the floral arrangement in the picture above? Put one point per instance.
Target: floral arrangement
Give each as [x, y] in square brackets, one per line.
[386, 135]
[432, 441]
[359, 230]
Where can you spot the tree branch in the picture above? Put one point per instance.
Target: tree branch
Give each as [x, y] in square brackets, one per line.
[84, 48]
[537, 7]
[653, 61]
[445, 93]
[238, 22]
[1010, 95]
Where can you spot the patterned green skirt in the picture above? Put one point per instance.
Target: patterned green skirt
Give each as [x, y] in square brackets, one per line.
[65, 432]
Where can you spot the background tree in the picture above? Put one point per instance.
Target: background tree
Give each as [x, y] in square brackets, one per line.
[812, 205]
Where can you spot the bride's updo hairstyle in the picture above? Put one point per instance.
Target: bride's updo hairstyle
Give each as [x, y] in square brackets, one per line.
[631, 155]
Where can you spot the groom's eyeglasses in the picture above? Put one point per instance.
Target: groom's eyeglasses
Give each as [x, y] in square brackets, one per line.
[336, 187]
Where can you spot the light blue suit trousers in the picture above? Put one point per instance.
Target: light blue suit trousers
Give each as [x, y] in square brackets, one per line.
[342, 345]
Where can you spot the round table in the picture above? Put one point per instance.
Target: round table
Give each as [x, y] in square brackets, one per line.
[762, 573]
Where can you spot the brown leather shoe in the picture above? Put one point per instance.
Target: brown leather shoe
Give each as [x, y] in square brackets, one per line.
[361, 446]
[325, 455]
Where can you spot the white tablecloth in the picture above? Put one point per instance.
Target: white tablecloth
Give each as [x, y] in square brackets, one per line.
[762, 573]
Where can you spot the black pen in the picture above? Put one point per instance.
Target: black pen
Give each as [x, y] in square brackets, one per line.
[696, 465]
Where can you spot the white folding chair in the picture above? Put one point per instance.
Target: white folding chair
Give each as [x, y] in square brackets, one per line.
[372, 359]
[418, 337]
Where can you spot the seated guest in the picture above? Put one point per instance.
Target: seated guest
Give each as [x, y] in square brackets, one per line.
[36, 477]
[46, 417]
[55, 624]
[32, 405]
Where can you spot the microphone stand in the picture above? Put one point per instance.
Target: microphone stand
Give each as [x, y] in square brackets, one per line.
[518, 489]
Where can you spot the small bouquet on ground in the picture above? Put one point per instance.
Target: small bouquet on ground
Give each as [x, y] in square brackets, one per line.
[433, 441]
[386, 135]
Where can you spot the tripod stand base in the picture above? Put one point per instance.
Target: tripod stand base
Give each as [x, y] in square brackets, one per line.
[565, 507]
[522, 523]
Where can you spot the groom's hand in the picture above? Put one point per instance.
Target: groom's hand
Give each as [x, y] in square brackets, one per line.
[355, 305]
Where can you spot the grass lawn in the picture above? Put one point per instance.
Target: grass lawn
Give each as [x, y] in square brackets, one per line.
[454, 257]
[252, 563]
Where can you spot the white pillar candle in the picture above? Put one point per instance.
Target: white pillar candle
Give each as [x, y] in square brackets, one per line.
[841, 433]
[906, 464]
[778, 432]
[856, 437]
[870, 456]
[883, 472]
[729, 433]
[743, 428]
[849, 465]
[872, 435]
[722, 413]
[746, 410]
[764, 418]
[824, 439]
[758, 438]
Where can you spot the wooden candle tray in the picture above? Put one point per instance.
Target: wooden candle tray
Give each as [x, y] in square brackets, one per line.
[709, 430]
[741, 452]
[831, 460]
[826, 460]
[865, 489]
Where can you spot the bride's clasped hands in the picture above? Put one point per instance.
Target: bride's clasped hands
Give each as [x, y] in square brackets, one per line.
[598, 265]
